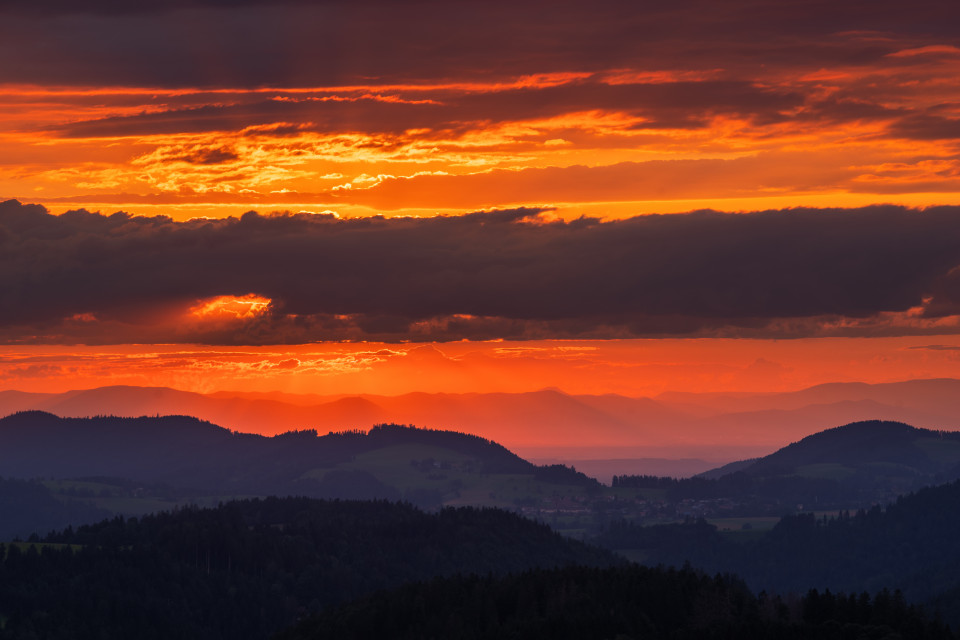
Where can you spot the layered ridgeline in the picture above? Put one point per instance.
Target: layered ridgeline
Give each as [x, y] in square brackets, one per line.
[710, 425]
[83, 469]
[94, 467]
[249, 568]
[149, 464]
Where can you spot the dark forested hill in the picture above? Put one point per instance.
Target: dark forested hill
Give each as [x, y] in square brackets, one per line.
[619, 602]
[912, 545]
[375, 569]
[869, 462]
[851, 466]
[874, 447]
[250, 567]
[28, 507]
[186, 452]
[189, 452]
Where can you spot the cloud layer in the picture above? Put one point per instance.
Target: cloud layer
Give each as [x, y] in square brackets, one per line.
[230, 43]
[294, 278]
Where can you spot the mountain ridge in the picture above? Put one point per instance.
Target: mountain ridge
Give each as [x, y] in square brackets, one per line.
[688, 425]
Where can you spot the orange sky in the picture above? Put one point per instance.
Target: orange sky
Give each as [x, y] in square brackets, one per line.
[743, 106]
[188, 152]
[628, 367]
[340, 111]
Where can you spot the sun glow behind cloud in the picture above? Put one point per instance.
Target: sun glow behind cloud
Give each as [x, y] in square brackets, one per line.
[233, 307]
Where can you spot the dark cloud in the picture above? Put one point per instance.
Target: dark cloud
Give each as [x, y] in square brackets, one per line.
[85, 277]
[362, 114]
[215, 155]
[927, 127]
[122, 7]
[242, 43]
[670, 104]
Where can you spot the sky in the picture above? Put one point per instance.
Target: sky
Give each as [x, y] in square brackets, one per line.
[383, 197]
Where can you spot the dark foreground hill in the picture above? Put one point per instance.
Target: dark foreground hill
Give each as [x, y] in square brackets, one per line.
[912, 545]
[579, 603]
[249, 568]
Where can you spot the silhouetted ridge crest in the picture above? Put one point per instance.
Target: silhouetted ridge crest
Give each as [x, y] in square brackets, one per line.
[185, 452]
[859, 463]
[33, 415]
[864, 442]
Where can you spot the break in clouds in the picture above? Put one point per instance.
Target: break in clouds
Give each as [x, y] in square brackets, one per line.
[90, 278]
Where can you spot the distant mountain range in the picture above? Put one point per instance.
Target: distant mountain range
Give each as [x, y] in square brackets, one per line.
[714, 427]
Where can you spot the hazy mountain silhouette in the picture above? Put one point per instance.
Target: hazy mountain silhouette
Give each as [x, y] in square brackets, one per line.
[936, 396]
[674, 425]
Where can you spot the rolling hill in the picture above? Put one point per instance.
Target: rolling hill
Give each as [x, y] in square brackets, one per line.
[139, 465]
[848, 467]
[868, 456]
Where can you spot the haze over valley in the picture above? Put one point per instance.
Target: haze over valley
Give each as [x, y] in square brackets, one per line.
[713, 427]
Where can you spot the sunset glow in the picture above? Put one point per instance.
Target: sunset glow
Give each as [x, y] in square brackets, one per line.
[461, 197]
[860, 115]
[247, 306]
[479, 318]
[633, 367]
